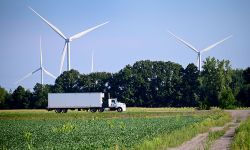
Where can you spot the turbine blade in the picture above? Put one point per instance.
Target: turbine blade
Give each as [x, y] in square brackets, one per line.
[27, 75]
[184, 42]
[215, 44]
[36, 70]
[63, 56]
[51, 25]
[78, 35]
[48, 73]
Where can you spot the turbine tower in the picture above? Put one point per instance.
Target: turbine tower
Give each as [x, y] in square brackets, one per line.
[67, 40]
[196, 50]
[41, 68]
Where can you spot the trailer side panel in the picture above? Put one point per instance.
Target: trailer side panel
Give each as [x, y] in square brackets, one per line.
[75, 100]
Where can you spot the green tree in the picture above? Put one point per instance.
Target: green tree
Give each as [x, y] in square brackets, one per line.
[40, 96]
[142, 74]
[95, 82]
[244, 94]
[172, 79]
[122, 85]
[20, 98]
[215, 77]
[246, 75]
[237, 81]
[3, 98]
[68, 82]
[149, 84]
[226, 99]
[190, 86]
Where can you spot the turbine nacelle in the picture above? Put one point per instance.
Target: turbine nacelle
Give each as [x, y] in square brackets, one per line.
[68, 40]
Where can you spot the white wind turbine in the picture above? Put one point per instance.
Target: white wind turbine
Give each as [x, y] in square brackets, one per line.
[197, 51]
[67, 40]
[41, 68]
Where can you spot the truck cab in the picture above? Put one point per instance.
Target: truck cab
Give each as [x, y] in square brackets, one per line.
[115, 105]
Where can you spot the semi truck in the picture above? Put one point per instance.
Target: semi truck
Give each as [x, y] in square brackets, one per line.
[61, 102]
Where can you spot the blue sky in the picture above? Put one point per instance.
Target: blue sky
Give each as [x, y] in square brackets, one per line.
[137, 31]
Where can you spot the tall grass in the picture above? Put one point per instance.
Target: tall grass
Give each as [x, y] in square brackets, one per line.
[242, 137]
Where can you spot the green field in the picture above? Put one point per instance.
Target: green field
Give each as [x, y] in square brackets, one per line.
[138, 128]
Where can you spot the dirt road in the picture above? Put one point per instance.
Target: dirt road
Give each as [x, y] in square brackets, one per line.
[223, 143]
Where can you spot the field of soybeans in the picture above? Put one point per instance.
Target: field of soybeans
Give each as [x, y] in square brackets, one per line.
[137, 128]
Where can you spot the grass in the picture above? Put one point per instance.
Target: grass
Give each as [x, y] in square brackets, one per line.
[138, 128]
[242, 137]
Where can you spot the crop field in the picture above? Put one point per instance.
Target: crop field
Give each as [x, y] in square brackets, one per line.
[138, 128]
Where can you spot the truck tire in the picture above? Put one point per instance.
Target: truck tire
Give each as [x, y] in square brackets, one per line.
[64, 110]
[58, 110]
[101, 109]
[93, 110]
[119, 109]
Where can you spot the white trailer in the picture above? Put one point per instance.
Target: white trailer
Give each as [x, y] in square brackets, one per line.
[61, 102]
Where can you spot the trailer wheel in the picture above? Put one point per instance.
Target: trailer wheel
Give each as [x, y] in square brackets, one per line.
[119, 109]
[58, 110]
[64, 110]
[101, 109]
[93, 110]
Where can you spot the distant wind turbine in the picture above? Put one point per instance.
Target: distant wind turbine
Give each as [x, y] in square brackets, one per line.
[41, 68]
[197, 51]
[67, 40]
[92, 62]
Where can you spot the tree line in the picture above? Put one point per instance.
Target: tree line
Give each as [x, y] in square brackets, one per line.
[148, 84]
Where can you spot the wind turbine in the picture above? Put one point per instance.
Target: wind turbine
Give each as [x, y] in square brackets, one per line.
[67, 40]
[41, 68]
[197, 51]
[92, 62]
